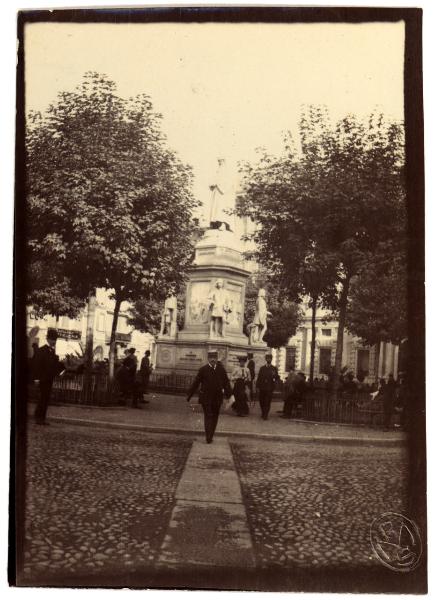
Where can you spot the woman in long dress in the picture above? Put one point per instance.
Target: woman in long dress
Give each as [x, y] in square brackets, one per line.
[240, 378]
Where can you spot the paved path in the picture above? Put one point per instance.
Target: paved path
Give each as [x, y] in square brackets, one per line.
[208, 526]
[172, 414]
[113, 507]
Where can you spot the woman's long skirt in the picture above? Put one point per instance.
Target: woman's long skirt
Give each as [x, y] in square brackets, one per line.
[240, 406]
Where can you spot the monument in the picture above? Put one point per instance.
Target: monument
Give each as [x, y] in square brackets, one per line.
[215, 299]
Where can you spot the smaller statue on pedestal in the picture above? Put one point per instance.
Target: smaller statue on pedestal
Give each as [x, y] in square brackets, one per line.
[169, 317]
[218, 304]
[258, 327]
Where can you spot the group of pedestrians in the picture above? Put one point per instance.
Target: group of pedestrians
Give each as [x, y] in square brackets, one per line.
[294, 393]
[394, 396]
[133, 382]
[243, 381]
[45, 366]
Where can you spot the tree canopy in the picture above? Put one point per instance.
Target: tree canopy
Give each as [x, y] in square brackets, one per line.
[109, 204]
[378, 300]
[334, 197]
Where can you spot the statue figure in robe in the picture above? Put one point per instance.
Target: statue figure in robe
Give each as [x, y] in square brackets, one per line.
[218, 303]
[258, 327]
[168, 324]
[221, 200]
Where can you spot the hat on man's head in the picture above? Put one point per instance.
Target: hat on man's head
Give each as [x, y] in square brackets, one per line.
[212, 354]
[242, 357]
[250, 355]
[52, 334]
[269, 355]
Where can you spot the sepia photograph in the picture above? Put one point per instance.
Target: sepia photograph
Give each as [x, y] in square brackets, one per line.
[219, 324]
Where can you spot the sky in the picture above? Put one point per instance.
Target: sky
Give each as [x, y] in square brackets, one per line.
[224, 89]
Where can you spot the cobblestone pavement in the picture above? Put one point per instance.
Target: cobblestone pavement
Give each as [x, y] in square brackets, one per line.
[312, 505]
[97, 501]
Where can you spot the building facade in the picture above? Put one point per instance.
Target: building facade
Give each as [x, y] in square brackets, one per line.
[373, 361]
[72, 332]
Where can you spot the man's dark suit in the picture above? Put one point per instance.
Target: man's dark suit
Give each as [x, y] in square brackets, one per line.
[47, 365]
[266, 380]
[145, 372]
[214, 383]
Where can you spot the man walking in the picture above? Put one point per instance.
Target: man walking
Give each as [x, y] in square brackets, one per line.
[214, 383]
[389, 398]
[266, 381]
[145, 372]
[130, 367]
[251, 367]
[46, 366]
[289, 394]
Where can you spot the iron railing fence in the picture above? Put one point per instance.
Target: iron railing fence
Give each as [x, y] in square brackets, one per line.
[355, 409]
[171, 382]
[95, 390]
[318, 405]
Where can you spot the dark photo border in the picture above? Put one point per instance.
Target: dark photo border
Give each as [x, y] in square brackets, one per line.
[307, 580]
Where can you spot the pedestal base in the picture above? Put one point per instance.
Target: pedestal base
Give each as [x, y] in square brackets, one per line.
[186, 357]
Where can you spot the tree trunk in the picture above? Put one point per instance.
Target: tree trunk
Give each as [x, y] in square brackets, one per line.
[313, 338]
[377, 359]
[89, 349]
[112, 346]
[340, 335]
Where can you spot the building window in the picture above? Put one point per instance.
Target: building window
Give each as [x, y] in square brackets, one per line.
[327, 332]
[100, 322]
[290, 359]
[325, 361]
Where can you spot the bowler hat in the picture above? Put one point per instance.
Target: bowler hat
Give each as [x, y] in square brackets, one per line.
[212, 354]
[242, 357]
[52, 334]
[269, 355]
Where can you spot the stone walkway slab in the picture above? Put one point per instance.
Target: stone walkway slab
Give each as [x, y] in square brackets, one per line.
[171, 414]
[209, 474]
[208, 525]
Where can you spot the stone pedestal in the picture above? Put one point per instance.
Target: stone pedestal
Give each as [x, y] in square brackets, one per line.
[216, 257]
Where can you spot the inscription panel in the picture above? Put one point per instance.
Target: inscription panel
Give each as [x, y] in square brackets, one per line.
[190, 357]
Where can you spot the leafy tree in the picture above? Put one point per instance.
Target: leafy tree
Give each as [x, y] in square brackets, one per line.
[274, 194]
[109, 204]
[342, 191]
[378, 300]
[145, 315]
[50, 293]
